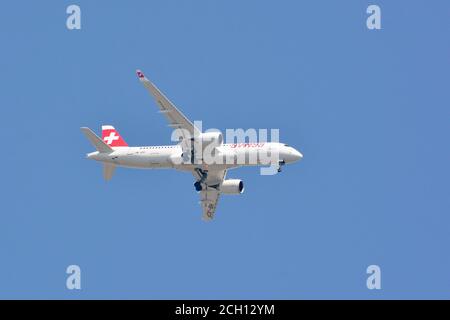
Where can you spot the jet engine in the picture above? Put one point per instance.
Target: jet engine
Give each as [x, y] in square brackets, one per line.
[232, 186]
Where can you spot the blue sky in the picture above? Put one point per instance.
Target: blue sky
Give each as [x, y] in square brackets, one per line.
[368, 109]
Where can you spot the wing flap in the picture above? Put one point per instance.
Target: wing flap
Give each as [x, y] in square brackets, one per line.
[208, 200]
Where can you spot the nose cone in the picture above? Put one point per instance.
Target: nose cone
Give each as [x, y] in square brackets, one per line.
[296, 155]
[291, 155]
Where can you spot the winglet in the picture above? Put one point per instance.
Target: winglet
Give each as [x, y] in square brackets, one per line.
[140, 75]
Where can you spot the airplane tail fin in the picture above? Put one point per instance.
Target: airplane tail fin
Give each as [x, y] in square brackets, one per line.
[112, 137]
[98, 143]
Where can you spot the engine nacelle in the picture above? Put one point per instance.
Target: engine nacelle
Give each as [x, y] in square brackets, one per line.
[232, 186]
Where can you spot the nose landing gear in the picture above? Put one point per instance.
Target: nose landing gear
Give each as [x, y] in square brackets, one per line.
[280, 163]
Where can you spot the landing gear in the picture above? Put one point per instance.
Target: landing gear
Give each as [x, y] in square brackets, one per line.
[280, 163]
[198, 186]
[202, 174]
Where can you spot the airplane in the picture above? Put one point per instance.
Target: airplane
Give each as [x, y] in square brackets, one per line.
[188, 155]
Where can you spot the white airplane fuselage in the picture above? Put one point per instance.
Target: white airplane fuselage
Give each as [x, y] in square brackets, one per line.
[170, 156]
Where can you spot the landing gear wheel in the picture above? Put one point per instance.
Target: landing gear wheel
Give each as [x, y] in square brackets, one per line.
[198, 186]
[280, 164]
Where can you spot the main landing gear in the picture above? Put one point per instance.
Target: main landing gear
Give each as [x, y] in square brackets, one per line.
[198, 185]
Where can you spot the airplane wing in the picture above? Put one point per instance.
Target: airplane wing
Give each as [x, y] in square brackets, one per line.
[209, 196]
[175, 117]
[208, 201]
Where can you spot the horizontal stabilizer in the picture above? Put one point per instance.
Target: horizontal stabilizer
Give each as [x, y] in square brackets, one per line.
[98, 143]
[108, 171]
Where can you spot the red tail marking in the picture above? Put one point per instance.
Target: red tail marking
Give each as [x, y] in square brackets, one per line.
[112, 138]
